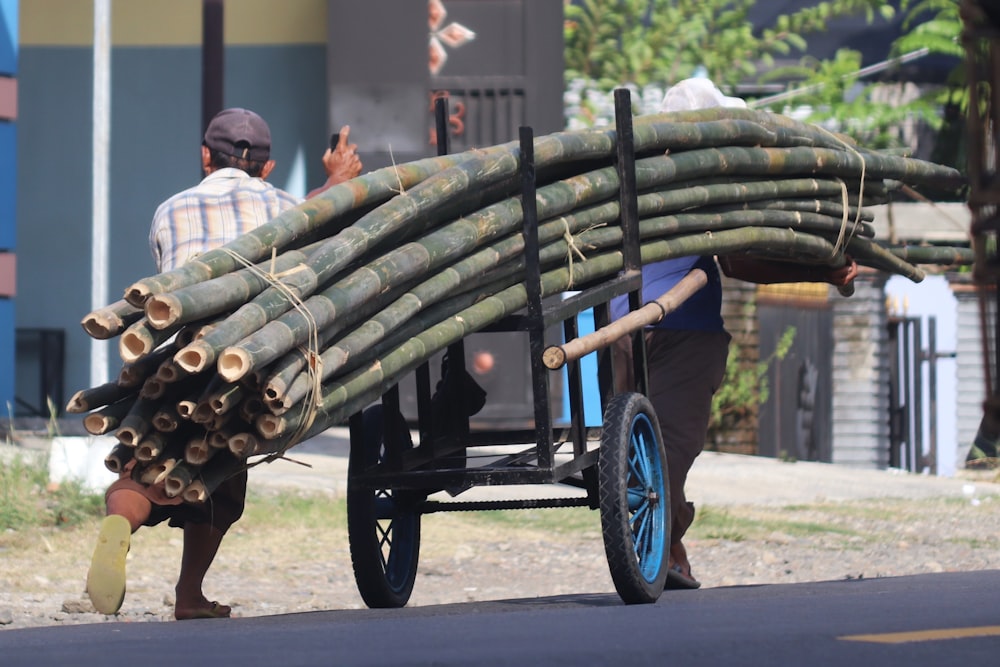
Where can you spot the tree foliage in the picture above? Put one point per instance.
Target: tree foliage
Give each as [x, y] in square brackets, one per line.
[648, 45]
[615, 42]
[744, 389]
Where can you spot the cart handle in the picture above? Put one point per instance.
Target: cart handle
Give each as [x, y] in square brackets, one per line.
[556, 356]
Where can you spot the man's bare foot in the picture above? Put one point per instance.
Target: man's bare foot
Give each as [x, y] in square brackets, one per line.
[204, 609]
[679, 559]
[679, 569]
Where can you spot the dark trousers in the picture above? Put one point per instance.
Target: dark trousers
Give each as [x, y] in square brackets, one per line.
[685, 369]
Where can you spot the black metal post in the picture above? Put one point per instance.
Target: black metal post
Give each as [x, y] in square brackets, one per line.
[574, 382]
[918, 397]
[456, 351]
[212, 60]
[423, 372]
[932, 360]
[907, 395]
[533, 285]
[629, 207]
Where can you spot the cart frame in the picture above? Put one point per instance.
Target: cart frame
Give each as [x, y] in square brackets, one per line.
[389, 479]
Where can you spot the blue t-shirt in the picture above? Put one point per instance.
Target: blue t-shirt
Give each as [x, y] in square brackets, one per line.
[703, 309]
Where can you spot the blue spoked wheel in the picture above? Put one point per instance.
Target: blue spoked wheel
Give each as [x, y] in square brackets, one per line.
[634, 498]
[383, 525]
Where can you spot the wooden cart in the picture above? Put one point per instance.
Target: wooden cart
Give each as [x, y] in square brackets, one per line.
[621, 465]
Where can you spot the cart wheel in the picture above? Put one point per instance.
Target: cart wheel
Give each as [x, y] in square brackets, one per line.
[634, 499]
[383, 525]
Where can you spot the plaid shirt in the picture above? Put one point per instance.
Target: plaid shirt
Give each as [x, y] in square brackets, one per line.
[226, 204]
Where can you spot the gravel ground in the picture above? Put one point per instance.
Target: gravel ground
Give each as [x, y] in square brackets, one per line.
[759, 522]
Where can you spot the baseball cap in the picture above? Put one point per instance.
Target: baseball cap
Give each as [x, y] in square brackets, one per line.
[697, 93]
[241, 133]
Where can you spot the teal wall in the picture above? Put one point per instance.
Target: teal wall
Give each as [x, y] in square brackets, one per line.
[155, 138]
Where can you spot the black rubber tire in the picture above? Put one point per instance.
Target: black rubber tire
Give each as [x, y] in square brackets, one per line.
[383, 525]
[634, 499]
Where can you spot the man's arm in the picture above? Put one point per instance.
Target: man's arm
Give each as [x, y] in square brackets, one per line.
[772, 271]
[340, 163]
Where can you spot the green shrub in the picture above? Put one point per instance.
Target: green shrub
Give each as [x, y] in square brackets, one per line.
[28, 500]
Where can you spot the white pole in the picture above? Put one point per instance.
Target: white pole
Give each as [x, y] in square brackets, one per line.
[101, 150]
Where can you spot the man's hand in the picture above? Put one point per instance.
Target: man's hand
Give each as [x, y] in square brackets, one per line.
[342, 163]
[845, 274]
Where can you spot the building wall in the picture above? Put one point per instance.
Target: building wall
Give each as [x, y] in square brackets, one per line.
[8, 178]
[275, 64]
[969, 364]
[861, 376]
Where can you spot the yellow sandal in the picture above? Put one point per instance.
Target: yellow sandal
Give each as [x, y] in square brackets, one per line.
[106, 577]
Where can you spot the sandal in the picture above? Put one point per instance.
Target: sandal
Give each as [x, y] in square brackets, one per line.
[106, 577]
[215, 611]
[677, 580]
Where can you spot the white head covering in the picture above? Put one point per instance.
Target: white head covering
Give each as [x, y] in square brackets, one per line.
[697, 93]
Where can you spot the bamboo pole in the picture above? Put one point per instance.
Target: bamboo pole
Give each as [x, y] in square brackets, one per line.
[364, 256]
[86, 400]
[556, 356]
[109, 321]
[108, 418]
[119, 457]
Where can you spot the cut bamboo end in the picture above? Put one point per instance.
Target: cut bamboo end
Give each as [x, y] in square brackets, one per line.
[227, 400]
[130, 376]
[78, 403]
[147, 451]
[279, 406]
[156, 472]
[203, 413]
[250, 408]
[234, 363]
[163, 310]
[111, 320]
[198, 452]
[99, 424]
[164, 468]
[219, 439]
[165, 421]
[118, 459]
[137, 295]
[170, 371]
[195, 357]
[173, 486]
[133, 345]
[195, 492]
[242, 445]
[102, 326]
[554, 357]
[271, 426]
[185, 409]
[153, 388]
[128, 436]
[274, 390]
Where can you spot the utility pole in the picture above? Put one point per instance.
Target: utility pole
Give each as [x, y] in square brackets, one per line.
[101, 174]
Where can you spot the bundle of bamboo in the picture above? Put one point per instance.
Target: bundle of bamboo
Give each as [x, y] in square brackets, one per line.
[255, 346]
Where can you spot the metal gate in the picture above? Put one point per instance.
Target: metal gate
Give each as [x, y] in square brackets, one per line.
[795, 421]
[910, 448]
[499, 65]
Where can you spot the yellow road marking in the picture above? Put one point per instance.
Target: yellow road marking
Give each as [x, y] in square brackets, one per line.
[926, 635]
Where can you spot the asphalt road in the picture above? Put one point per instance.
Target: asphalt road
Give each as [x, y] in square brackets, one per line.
[920, 621]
